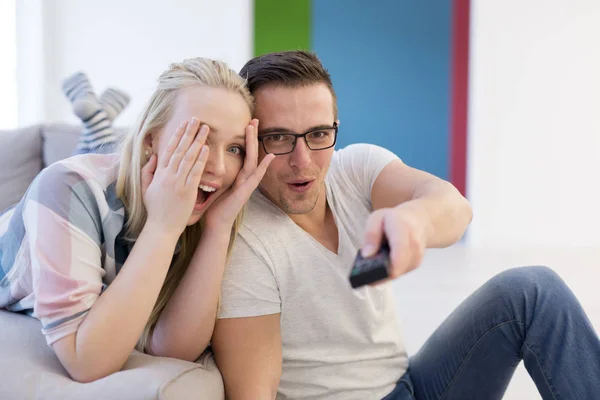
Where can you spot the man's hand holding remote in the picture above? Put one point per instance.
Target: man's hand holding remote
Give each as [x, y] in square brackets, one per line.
[406, 229]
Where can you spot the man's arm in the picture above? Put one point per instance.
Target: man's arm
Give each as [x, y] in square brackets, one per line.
[442, 210]
[415, 210]
[248, 354]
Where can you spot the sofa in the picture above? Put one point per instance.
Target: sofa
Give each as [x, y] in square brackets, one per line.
[29, 368]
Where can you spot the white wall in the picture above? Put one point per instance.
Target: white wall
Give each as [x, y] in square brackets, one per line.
[126, 44]
[8, 66]
[534, 128]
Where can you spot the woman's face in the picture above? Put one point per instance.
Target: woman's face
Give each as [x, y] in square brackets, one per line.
[227, 115]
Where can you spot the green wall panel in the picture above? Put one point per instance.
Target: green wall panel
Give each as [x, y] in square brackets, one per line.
[281, 25]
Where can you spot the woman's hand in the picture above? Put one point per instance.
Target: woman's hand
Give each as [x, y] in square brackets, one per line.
[225, 209]
[170, 180]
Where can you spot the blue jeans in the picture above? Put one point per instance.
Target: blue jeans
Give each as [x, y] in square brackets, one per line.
[524, 314]
[106, 148]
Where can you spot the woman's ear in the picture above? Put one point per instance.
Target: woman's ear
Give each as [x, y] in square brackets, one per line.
[149, 142]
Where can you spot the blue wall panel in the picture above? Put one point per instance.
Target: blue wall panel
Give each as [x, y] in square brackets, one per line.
[390, 63]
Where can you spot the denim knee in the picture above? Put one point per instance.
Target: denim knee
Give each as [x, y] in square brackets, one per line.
[531, 282]
[530, 275]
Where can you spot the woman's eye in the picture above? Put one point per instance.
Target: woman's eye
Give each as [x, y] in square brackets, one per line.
[237, 150]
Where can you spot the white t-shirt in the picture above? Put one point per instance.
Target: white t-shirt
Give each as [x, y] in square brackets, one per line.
[338, 342]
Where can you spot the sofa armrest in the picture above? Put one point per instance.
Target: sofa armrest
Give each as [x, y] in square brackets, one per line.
[59, 142]
[29, 369]
[20, 162]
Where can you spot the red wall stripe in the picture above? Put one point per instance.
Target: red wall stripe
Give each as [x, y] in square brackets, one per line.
[460, 93]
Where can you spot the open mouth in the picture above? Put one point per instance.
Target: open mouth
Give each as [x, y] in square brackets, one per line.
[301, 186]
[204, 194]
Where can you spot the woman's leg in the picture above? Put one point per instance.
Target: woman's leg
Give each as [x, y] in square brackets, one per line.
[96, 114]
[521, 314]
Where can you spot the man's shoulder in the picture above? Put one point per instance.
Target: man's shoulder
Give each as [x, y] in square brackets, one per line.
[356, 149]
[355, 167]
[353, 156]
[260, 234]
[262, 217]
[358, 153]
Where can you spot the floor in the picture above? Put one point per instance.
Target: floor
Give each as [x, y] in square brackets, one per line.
[448, 276]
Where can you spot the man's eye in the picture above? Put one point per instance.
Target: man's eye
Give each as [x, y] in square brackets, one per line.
[320, 134]
[280, 138]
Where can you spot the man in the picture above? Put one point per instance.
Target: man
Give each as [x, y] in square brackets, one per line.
[292, 327]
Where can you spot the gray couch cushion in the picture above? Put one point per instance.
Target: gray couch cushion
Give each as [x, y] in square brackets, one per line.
[20, 162]
[60, 141]
[29, 369]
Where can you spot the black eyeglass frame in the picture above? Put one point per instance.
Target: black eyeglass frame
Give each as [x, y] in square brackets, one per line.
[296, 137]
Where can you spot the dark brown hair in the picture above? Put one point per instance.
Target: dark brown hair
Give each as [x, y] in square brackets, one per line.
[288, 69]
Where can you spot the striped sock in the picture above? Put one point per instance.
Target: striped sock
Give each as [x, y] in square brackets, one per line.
[97, 126]
[80, 93]
[114, 102]
[77, 86]
[98, 133]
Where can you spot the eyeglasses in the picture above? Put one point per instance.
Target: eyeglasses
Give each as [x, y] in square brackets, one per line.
[280, 143]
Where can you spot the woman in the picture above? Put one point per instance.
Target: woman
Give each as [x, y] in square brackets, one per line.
[114, 250]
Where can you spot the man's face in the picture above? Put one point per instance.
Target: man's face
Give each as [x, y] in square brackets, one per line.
[294, 181]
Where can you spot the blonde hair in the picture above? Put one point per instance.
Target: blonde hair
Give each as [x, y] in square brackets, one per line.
[158, 111]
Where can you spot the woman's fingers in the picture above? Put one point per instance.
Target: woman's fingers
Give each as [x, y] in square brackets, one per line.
[259, 172]
[251, 146]
[184, 144]
[195, 175]
[148, 172]
[189, 160]
[173, 143]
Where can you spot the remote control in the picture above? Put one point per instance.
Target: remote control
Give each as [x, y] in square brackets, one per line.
[371, 269]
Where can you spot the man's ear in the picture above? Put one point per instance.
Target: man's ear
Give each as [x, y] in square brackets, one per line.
[337, 122]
